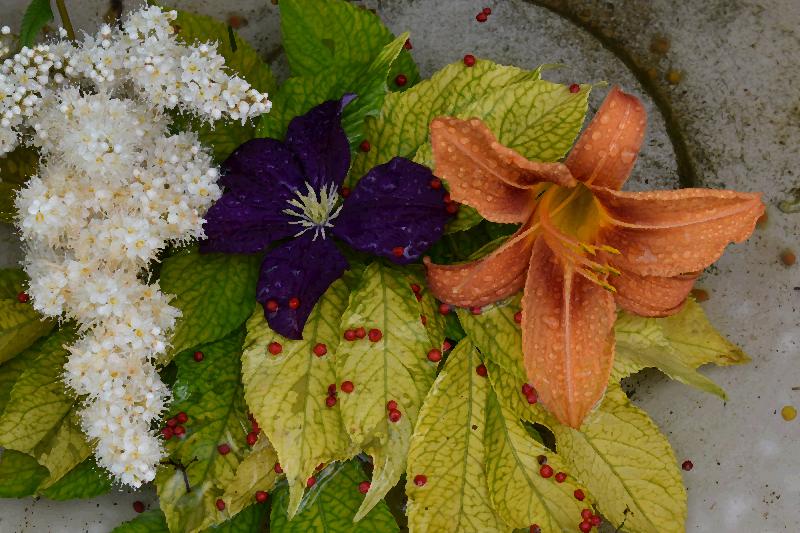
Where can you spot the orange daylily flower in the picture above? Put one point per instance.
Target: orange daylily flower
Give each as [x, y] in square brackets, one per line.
[584, 246]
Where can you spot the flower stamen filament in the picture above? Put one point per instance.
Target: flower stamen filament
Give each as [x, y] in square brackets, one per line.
[314, 210]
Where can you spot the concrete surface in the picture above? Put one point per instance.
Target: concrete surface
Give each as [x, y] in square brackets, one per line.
[728, 116]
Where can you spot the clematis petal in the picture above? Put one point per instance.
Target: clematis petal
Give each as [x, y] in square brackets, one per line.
[264, 168]
[667, 233]
[483, 174]
[652, 295]
[567, 336]
[393, 212]
[489, 279]
[606, 151]
[320, 144]
[302, 268]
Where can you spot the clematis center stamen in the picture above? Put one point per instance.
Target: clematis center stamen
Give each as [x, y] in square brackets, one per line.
[314, 210]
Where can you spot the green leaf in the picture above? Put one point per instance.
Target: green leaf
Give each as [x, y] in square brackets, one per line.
[9, 374]
[215, 292]
[35, 18]
[335, 35]
[394, 368]
[20, 326]
[12, 281]
[495, 332]
[64, 449]
[250, 520]
[448, 449]
[20, 474]
[331, 504]
[519, 494]
[15, 169]
[627, 464]
[367, 81]
[86, 480]
[255, 472]
[152, 521]
[211, 394]
[677, 345]
[287, 392]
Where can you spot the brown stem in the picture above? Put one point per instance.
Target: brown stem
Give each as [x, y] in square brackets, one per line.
[65, 21]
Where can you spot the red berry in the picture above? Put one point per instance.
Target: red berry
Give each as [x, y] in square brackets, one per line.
[420, 480]
[475, 310]
[345, 192]
[220, 504]
[487, 11]
[363, 487]
[444, 309]
[481, 17]
[579, 495]
[469, 60]
[272, 306]
[423, 319]
[375, 335]
[451, 208]
[574, 88]
[364, 146]
[347, 387]
[446, 345]
[398, 251]
[310, 482]
[138, 506]
[535, 528]
[294, 303]
[395, 415]
[252, 438]
[320, 349]
[415, 288]
[546, 471]
[172, 422]
[687, 465]
[400, 80]
[518, 317]
[481, 370]
[275, 348]
[391, 405]
[585, 526]
[586, 514]
[446, 198]
[254, 426]
[224, 448]
[436, 183]
[261, 496]
[595, 520]
[561, 477]
[349, 335]
[330, 401]
[435, 355]
[277, 468]
[182, 417]
[167, 433]
[179, 430]
[23, 297]
[407, 44]
[532, 397]
[361, 333]
[198, 356]
[332, 389]
[526, 389]
[320, 466]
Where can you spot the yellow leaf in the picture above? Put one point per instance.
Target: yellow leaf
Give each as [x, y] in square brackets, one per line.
[287, 392]
[495, 332]
[627, 464]
[65, 449]
[448, 449]
[255, 472]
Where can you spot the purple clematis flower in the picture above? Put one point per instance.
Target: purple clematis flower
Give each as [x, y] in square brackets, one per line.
[291, 190]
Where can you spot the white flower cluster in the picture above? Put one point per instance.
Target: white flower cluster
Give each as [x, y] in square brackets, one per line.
[114, 188]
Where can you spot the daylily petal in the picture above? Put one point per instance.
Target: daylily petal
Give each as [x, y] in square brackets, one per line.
[667, 233]
[320, 144]
[489, 279]
[567, 336]
[393, 208]
[483, 174]
[652, 295]
[302, 268]
[606, 151]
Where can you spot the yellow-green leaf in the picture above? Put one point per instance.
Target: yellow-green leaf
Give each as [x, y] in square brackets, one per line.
[287, 392]
[394, 368]
[86, 480]
[448, 449]
[256, 472]
[330, 505]
[152, 521]
[519, 494]
[63, 450]
[20, 326]
[15, 169]
[495, 332]
[677, 345]
[435, 322]
[20, 474]
[627, 464]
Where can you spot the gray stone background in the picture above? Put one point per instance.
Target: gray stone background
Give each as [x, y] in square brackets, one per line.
[720, 80]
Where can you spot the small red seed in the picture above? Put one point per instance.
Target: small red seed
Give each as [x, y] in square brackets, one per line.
[275, 348]
[451, 208]
[394, 415]
[138, 506]
[310, 482]
[391, 405]
[363, 487]
[320, 349]
[272, 306]
[172, 422]
[179, 430]
[579, 495]
[481, 17]
[435, 355]
[546, 471]
[475, 310]
[364, 146]
[345, 192]
[182, 418]
[320, 466]
[349, 335]
[518, 317]
[535, 528]
[360, 333]
[487, 11]
[277, 468]
[446, 198]
[398, 251]
[252, 438]
[23, 297]
[585, 526]
[415, 288]
[481, 370]
[586, 514]
[400, 80]
[261, 496]
[224, 448]
[526, 389]
[418, 296]
[423, 319]
[687, 465]
[469, 60]
[595, 520]
[330, 401]
[574, 88]
[198, 356]
[294, 303]
[167, 433]
[420, 480]
[375, 335]
[532, 397]
[446, 345]
[561, 477]
[347, 387]
[436, 183]
[220, 504]
[407, 44]
[444, 309]
[332, 389]
[788, 258]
